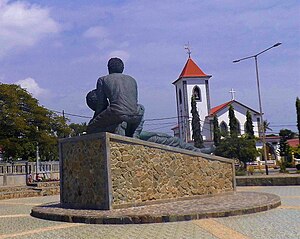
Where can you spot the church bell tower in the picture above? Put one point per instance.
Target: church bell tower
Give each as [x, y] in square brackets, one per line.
[191, 81]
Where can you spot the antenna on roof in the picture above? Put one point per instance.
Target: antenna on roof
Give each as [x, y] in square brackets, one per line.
[187, 47]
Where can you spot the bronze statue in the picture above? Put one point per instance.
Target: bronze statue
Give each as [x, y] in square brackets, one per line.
[115, 102]
[117, 110]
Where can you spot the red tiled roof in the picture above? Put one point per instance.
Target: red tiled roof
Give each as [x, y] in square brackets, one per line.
[293, 142]
[191, 70]
[219, 107]
[222, 106]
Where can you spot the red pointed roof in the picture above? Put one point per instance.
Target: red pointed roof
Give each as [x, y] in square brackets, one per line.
[191, 70]
[219, 107]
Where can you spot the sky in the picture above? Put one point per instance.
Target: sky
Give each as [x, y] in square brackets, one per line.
[58, 49]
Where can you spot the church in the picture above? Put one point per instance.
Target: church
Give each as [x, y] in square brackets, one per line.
[192, 81]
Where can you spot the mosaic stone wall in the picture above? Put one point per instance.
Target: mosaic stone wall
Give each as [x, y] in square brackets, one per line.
[143, 174]
[84, 173]
[105, 171]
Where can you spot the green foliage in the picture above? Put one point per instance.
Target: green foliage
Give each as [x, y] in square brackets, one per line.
[233, 123]
[285, 149]
[196, 126]
[249, 125]
[282, 167]
[298, 116]
[77, 129]
[24, 124]
[296, 151]
[240, 172]
[240, 148]
[287, 134]
[266, 126]
[217, 132]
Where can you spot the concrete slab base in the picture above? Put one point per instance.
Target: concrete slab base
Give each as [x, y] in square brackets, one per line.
[223, 205]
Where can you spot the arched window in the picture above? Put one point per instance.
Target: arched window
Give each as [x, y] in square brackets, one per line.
[180, 97]
[223, 129]
[197, 93]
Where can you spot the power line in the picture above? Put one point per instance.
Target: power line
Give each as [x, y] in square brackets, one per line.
[165, 118]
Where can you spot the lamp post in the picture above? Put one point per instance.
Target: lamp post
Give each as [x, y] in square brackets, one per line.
[262, 131]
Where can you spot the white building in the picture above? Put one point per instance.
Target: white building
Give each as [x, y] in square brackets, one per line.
[193, 81]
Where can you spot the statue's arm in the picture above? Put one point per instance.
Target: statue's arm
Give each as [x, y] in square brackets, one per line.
[102, 101]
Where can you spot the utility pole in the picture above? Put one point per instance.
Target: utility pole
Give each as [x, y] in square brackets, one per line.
[261, 126]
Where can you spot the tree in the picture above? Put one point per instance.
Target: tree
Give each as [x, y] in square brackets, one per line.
[233, 123]
[77, 129]
[196, 126]
[240, 148]
[249, 125]
[24, 124]
[266, 126]
[287, 134]
[298, 116]
[285, 150]
[217, 131]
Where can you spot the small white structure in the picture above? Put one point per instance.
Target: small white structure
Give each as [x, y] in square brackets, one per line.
[193, 81]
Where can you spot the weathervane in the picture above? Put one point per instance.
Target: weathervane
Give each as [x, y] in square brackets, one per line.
[187, 47]
[232, 91]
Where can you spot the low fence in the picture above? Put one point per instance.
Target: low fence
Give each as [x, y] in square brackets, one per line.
[268, 180]
[21, 173]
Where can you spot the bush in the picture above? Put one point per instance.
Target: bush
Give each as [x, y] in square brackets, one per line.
[298, 166]
[283, 167]
[240, 172]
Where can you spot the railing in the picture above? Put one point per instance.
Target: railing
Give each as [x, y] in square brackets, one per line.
[20, 167]
[24, 173]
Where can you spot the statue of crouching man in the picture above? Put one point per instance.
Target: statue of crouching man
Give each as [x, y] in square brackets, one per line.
[115, 102]
[117, 110]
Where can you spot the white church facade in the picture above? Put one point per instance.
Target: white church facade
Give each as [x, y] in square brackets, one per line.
[193, 81]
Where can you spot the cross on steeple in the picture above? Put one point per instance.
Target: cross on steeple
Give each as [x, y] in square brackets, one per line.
[232, 91]
[187, 47]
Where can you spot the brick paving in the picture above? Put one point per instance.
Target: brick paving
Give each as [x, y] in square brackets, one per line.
[281, 222]
[221, 205]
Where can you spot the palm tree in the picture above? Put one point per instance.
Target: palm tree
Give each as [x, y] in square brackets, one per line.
[266, 126]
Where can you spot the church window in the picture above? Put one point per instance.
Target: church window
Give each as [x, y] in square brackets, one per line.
[223, 129]
[180, 97]
[197, 93]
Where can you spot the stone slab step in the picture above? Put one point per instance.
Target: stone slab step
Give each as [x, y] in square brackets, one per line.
[19, 194]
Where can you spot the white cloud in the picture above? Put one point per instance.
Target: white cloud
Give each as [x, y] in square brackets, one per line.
[97, 32]
[23, 24]
[32, 87]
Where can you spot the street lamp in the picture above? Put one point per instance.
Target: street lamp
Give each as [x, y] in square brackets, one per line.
[259, 100]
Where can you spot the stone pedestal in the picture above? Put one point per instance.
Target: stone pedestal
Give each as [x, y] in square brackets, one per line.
[107, 171]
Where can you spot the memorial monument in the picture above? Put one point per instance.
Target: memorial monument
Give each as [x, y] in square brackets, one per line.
[105, 170]
[107, 174]
[116, 108]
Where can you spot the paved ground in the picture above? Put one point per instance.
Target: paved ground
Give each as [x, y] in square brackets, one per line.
[220, 205]
[282, 222]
